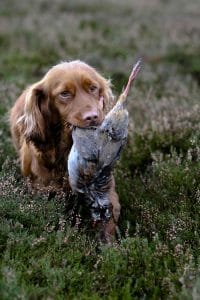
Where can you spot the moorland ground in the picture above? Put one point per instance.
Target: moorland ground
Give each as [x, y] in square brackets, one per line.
[42, 256]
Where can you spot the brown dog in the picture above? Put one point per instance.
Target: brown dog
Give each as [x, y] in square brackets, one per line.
[71, 93]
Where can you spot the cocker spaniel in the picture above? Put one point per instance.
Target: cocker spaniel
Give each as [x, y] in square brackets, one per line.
[71, 93]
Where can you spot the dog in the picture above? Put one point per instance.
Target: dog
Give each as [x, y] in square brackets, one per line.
[41, 120]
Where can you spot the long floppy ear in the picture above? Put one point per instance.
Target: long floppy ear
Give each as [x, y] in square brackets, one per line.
[37, 115]
[107, 95]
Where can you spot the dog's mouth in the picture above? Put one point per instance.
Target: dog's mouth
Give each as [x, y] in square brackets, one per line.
[71, 126]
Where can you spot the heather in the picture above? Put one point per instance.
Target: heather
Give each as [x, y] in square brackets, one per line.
[47, 249]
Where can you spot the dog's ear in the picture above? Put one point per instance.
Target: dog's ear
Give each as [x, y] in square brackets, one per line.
[107, 94]
[37, 118]
[109, 97]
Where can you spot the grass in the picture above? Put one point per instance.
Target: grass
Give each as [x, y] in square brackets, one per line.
[42, 256]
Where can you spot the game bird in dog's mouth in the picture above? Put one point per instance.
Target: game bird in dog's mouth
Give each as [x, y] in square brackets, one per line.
[94, 153]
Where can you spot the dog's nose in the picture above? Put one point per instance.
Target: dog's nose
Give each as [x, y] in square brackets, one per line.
[91, 118]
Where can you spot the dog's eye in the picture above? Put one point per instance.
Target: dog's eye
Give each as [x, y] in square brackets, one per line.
[65, 95]
[93, 88]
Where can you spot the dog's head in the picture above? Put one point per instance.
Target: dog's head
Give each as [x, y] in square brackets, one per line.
[70, 93]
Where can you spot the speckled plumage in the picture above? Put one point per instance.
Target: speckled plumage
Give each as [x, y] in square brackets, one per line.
[94, 153]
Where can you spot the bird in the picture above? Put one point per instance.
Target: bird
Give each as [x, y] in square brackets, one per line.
[94, 153]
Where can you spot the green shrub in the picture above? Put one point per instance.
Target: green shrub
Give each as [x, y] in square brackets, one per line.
[47, 251]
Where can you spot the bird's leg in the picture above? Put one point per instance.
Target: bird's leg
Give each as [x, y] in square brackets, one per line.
[133, 75]
[135, 70]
